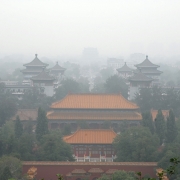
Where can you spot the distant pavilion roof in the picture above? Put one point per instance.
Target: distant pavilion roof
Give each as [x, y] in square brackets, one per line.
[57, 67]
[140, 77]
[146, 63]
[94, 101]
[43, 76]
[125, 68]
[91, 136]
[36, 62]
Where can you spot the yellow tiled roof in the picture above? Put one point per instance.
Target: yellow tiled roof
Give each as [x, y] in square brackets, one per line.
[95, 170]
[87, 115]
[91, 136]
[94, 101]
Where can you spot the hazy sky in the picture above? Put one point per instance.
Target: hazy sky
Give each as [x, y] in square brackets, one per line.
[66, 27]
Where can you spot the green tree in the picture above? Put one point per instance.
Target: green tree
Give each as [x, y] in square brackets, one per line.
[171, 129]
[53, 148]
[67, 86]
[104, 177]
[144, 99]
[18, 128]
[136, 144]
[42, 124]
[147, 121]
[6, 174]
[115, 84]
[160, 126]
[122, 175]
[14, 165]
[8, 108]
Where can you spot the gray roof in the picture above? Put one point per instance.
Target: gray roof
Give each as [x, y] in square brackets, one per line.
[146, 63]
[36, 62]
[139, 76]
[57, 67]
[125, 68]
[43, 76]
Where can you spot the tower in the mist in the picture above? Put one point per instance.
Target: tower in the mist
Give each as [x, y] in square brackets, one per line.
[33, 69]
[150, 70]
[57, 72]
[138, 81]
[125, 71]
[44, 82]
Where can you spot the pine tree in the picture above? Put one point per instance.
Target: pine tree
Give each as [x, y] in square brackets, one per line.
[171, 132]
[18, 128]
[147, 121]
[6, 174]
[160, 126]
[42, 124]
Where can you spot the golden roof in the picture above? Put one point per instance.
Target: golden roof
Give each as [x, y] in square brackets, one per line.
[91, 136]
[94, 101]
[155, 112]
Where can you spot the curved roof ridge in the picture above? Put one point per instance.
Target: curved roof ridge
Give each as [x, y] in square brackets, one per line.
[146, 63]
[36, 62]
[125, 67]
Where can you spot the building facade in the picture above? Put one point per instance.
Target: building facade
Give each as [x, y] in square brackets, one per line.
[92, 145]
[94, 109]
[86, 170]
[44, 82]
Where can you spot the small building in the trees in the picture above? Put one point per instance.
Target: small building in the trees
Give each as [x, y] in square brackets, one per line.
[138, 81]
[125, 71]
[96, 110]
[155, 112]
[33, 69]
[150, 70]
[44, 82]
[93, 145]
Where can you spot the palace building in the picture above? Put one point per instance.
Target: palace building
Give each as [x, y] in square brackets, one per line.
[44, 82]
[138, 81]
[125, 71]
[32, 69]
[57, 72]
[92, 145]
[150, 70]
[94, 109]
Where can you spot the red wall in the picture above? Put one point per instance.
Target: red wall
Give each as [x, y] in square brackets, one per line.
[48, 170]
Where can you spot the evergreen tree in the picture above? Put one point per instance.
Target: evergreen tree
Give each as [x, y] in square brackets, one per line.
[147, 121]
[171, 132]
[6, 174]
[160, 126]
[18, 128]
[42, 124]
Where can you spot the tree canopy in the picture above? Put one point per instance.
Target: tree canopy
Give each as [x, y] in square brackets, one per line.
[136, 144]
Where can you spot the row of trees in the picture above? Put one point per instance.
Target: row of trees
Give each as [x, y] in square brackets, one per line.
[157, 98]
[26, 145]
[155, 141]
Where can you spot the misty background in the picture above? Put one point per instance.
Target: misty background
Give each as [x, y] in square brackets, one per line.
[58, 29]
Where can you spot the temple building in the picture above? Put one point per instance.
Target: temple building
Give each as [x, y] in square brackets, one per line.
[44, 82]
[57, 72]
[32, 69]
[92, 145]
[125, 71]
[137, 81]
[150, 70]
[94, 109]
